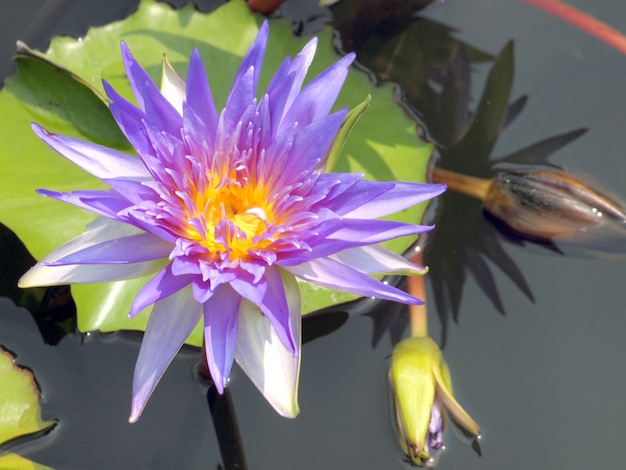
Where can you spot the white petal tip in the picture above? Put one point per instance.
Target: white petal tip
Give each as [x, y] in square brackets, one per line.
[29, 278]
[219, 387]
[287, 408]
[292, 413]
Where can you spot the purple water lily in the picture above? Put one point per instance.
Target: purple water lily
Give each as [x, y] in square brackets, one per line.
[226, 210]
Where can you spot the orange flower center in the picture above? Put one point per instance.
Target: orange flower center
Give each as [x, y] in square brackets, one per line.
[229, 215]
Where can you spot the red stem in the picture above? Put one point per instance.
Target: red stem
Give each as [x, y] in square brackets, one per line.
[583, 21]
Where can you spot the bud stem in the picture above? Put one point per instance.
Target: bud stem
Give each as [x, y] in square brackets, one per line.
[475, 187]
[417, 313]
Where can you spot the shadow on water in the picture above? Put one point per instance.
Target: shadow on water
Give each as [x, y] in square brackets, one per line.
[433, 72]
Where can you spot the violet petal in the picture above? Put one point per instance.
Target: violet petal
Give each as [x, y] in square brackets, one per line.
[159, 287]
[100, 161]
[335, 275]
[221, 313]
[171, 322]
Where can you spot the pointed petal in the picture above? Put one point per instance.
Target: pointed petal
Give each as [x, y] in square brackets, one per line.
[401, 196]
[130, 120]
[199, 96]
[311, 143]
[254, 60]
[43, 275]
[160, 113]
[357, 233]
[456, 412]
[287, 82]
[172, 86]
[159, 287]
[134, 191]
[99, 231]
[221, 313]
[261, 354]
[376, 259]
[132, 249]
[317, 98]
[240, 98]
[335, 275]
[100, 161]
[352, 192]
[136, 75]
[170, 324]
[299, 67]
[276, 308]
[101, 202]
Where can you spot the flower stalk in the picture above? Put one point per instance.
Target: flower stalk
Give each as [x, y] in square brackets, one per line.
[417, 313]
[465, 184]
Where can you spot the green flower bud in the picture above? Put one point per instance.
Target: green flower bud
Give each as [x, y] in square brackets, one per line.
[421, 387]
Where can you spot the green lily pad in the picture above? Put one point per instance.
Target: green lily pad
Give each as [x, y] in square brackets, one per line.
[382, 144]
[20, 413]
[11, 461]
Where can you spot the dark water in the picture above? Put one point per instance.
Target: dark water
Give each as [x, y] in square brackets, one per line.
[545, 382]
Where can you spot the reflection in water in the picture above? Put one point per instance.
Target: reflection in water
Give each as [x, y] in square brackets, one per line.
[433, 70]
[52, 308]
[518, 198]
[529, 194]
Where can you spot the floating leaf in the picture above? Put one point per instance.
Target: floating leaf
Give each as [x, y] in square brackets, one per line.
[382, 144]
[17, 462]
[66, 95]
[20, 413]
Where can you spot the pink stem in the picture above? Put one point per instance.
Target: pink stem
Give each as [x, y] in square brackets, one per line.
[583, 21]
[417, 313]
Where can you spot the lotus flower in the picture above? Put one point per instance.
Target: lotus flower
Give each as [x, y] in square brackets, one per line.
[226, 210]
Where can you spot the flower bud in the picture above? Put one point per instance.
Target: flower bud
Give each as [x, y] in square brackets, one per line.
[553, 206]
[421, 387]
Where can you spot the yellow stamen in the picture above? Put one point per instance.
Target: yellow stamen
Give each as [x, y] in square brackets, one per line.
[244, 204]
